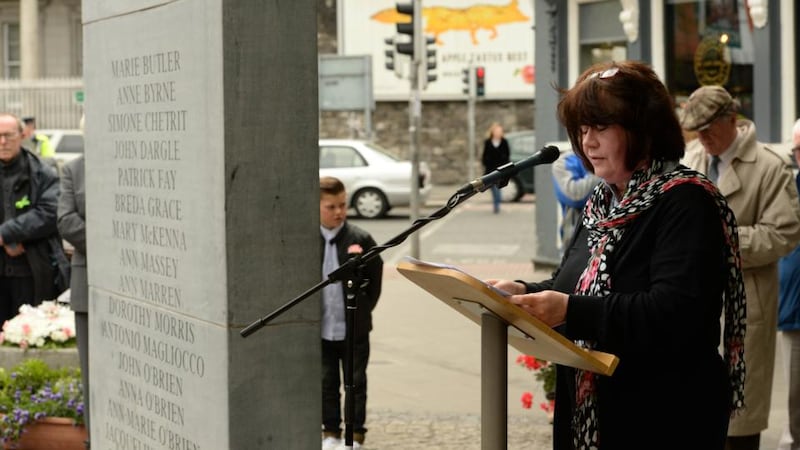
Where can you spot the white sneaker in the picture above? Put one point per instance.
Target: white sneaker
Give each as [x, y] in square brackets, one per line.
[343, 446]
[331, 443]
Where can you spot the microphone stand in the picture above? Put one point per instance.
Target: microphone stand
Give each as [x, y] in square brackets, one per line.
[351, 273]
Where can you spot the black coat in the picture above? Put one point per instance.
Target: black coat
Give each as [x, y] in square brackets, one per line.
[662, 319]
[34, 225]
[368, 297]
[494, 157]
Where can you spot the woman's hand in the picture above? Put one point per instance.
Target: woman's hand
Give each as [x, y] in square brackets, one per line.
[512, 287]
[548, 306]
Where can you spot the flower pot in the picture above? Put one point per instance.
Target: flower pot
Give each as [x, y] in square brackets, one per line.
[51, 433]
[55, 358]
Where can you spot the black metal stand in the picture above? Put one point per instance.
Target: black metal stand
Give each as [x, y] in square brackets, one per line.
[353, 288]
[351, 274]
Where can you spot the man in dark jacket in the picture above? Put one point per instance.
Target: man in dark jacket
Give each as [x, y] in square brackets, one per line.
[32, 264]
[72, 227]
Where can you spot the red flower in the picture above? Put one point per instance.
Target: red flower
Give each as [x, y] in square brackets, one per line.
[527, 400]
[529, 362]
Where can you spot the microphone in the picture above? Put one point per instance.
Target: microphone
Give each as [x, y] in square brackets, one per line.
[501, 176]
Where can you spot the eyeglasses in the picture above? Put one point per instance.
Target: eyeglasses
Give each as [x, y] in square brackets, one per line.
[8, 136]
[608, 73]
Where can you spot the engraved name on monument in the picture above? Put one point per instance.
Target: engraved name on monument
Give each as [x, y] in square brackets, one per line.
[158, 310]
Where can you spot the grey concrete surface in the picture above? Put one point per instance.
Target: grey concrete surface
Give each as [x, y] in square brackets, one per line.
[424, 373]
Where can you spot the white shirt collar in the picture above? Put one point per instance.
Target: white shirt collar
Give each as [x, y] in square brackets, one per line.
[330, 234]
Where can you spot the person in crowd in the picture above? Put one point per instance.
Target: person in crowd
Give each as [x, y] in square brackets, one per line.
[651, 268]
[33, 266]
[758, 185]
[495, 154]
[572, 184]
[341, 241]
[71, 221]
[40, 143]
[789, 323]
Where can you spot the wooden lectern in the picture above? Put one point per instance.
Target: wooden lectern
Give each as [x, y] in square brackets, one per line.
[488, 308]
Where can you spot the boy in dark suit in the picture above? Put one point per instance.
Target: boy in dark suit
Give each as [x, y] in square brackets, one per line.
[340, 242]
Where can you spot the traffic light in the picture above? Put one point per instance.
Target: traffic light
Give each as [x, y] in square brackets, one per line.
[407, 28]
[389, 52]
[480, 80]
[429, 63]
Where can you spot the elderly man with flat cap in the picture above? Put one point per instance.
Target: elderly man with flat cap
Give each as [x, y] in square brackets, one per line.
[759, 187]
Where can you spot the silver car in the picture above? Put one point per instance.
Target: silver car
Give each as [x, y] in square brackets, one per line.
[375, 180]
[68, 144]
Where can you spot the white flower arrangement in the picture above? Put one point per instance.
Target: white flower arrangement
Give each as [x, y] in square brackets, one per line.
[48, 325]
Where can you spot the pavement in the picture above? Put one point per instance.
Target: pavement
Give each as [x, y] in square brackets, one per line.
[424, 372]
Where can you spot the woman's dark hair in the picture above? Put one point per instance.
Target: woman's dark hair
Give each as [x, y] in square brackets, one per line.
[628, 94]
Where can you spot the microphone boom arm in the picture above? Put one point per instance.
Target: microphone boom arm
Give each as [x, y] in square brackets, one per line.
[345, 271]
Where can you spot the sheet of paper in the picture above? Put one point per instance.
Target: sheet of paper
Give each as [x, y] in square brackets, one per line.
[420, 262]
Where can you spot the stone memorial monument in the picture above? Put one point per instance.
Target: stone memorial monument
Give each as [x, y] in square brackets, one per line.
[202, 203]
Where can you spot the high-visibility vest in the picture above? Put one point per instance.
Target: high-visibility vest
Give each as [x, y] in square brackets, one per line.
[43, 148]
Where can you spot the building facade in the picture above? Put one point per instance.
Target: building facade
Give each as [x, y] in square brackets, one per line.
[747, 46]
[41, 39]
[683, 40]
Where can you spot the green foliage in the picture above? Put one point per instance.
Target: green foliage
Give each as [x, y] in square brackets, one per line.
[544, 371]
[33, 390]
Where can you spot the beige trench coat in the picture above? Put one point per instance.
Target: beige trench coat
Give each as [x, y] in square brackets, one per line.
[760, 189]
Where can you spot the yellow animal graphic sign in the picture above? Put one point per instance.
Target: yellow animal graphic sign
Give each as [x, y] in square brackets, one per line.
[439, 19]
[494, 34]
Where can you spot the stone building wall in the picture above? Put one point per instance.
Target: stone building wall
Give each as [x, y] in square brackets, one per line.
[444, 134]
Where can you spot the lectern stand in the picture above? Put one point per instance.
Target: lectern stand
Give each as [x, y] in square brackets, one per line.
[502, 323]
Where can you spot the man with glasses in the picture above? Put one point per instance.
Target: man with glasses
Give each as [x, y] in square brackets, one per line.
[759, 187]
[32, 262]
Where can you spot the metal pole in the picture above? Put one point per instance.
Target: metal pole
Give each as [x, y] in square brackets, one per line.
[471, 124]
[494, 383]
[415, 113]
[368, 98]
[416, 109]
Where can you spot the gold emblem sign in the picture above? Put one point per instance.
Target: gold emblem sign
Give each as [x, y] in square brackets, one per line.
[712, 62]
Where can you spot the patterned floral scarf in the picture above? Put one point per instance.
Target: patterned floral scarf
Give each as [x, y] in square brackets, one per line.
[606, 224]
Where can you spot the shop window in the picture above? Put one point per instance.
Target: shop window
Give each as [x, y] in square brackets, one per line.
[709, 43]
[602, 38]
[11, 50]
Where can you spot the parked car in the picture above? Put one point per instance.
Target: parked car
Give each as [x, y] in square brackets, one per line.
[67, 143]
[375, 180]
[522, 145]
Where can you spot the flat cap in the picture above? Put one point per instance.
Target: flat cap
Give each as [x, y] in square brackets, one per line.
[706, 104]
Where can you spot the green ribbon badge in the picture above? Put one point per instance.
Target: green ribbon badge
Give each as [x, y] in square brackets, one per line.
[23, 202]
